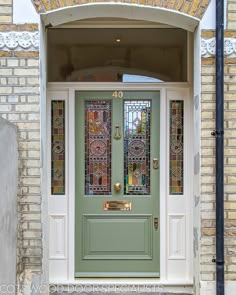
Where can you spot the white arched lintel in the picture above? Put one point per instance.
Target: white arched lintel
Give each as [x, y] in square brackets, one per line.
[121, 10]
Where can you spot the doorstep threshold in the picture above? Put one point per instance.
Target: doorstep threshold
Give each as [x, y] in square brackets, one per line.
[121, 281]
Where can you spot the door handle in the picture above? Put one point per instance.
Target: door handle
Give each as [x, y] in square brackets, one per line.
[117, 186]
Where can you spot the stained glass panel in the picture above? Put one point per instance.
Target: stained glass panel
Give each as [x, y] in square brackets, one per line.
[176, 147]
[97, 147]
[137, 116]
[58, 147]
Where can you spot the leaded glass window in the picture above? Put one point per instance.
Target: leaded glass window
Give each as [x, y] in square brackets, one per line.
[176, 148]
[98, 147]
[58, 147]
[137, 117]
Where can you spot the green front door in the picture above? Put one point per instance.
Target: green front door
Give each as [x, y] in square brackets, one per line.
[117, 184]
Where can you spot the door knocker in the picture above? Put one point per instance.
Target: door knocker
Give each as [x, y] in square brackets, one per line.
[117, 134]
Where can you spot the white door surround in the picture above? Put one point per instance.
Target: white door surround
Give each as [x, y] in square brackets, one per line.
[62, 266]
[121, 10]
[175, 211]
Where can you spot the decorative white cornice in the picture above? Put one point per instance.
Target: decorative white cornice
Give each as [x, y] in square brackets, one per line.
[19, 41]
[208, 47]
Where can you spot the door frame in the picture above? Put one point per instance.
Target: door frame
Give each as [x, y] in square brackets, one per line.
[168, 267]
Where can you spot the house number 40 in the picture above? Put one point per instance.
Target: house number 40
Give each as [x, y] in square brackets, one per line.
[118, 94]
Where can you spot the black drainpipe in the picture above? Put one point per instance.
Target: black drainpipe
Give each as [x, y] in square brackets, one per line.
[219, 133]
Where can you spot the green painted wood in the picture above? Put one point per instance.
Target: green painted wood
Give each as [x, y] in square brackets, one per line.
[116, 243]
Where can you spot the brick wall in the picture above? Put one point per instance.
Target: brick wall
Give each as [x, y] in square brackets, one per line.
[208, 169]
[194, 8]
[231, 15]
[6, 11]
[20, 104]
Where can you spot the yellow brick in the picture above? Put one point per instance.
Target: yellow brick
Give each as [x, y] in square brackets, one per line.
[230, 206]
[229, 152]
[61, 3]
[209, 142]
[231, 6]
[5, 54]
[5, 19]
[204, 3]
[231, 25]
[54, 4]
[5, 2]
[208, 161]
[207, 188]
[230, 61]
[229, 169]
[231, 142]
[5, 10]
[171, 4]
[231, 124]
[230, 115]
[229, 78]
[207, 152]
[179, 4]
[232, 215]
[232, 87]
[208, 232]
[208, 106]
[208, 70]
[207, 170]
[208, 60]
[186, 7]
[208, 215]
[207, 96]
[207, 179]
[231, 16]
[232, 69]
[230, 188]
[208, 115]
[230, 276]
[229, 133]
[208, 79]
[232, 105]
[208, 87]
[208, 34]
[194, 7]
[208, 124]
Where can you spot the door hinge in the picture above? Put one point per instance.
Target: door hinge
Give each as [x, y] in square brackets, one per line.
[155, 163]
[156, 222]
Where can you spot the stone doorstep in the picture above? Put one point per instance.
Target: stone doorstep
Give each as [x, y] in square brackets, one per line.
[62, 291]
[133, 293]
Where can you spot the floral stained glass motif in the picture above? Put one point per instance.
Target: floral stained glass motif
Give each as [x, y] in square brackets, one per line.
[98, 147]
[176, 147]
[137, 120]
[58, 147]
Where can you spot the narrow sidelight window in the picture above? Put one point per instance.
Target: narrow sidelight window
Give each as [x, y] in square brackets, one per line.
[58, 147]
[176, 148]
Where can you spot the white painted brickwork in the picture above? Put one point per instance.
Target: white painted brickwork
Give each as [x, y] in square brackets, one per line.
[19, 103]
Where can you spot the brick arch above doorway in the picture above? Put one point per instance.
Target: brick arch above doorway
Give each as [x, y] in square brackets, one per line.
[194, 8]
